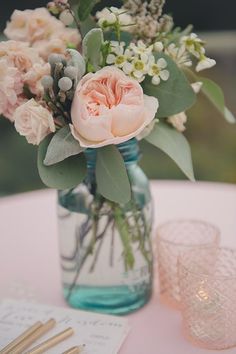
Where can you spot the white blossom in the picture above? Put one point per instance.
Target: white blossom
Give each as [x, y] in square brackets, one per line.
[111, 16]
[178, 121]
[139, 68]
[193, 45]
[179, 54]
[105, 17]
[137, 61]
[140, 48]
[158, 70]
[205, 63]
[196, 86]
[158, 46]
[119, 55]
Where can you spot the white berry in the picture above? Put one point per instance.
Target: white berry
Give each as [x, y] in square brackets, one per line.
[65, 84]
[71, 72]
[55, 58]
[47, 82]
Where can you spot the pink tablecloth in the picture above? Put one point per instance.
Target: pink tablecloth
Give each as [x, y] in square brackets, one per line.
[29, 261]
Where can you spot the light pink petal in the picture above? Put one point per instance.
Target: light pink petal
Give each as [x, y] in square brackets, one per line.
[127, 119]
[151, 105]
[96, 128]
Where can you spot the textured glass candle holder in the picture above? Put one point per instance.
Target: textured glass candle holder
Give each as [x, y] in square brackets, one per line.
[173, 239]
[207, 282]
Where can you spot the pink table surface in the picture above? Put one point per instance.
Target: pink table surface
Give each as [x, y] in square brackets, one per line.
[29, 257]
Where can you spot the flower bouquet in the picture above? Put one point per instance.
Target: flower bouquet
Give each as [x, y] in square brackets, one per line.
[86, 86]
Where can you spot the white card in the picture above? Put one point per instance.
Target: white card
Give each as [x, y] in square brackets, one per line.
[101, 334]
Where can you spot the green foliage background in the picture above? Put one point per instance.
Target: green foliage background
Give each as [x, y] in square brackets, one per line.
[213, 141]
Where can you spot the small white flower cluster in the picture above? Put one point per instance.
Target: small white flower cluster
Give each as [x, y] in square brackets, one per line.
[195, 46]
[112, 16]
[137, 61]
[179, 54]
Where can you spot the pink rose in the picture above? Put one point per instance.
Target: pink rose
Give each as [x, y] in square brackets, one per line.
[19, 55]
[34, 76]
[58, 43]
[47, 47]
[11, 88]
[110, 108]
[17, 28]
[42, 31]
[69, 36]
[32, 25]
[33, 121]
[42, 25]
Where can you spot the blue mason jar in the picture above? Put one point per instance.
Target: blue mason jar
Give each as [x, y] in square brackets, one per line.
[106, 248]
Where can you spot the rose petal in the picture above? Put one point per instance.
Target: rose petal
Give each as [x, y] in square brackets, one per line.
[126, 119]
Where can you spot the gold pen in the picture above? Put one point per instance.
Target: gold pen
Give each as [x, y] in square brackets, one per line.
[51, 342]
[28, 341]
[21, 338]
[75, 350]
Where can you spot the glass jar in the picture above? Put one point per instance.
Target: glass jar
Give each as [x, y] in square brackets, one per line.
[106, 249]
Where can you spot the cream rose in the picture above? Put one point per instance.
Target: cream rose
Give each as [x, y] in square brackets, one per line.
[33, 121]
[58, 43]
[110, 108]
[17, 28]
[11, 88]
[19, 55]
[34, 76]
[32, 25]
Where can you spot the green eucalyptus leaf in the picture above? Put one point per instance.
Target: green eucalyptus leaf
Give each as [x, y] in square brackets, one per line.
[87, 25]
[215, 95]
[92, 43]
[85, 8]
[175, 95]
[175, 145]
[111, 175]
[124, 36]
[77, 61]
[61, 146]
[66, 174]
[229, 116]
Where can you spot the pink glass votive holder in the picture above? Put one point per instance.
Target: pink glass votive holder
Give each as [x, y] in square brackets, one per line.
[173, 239]
[208, 297]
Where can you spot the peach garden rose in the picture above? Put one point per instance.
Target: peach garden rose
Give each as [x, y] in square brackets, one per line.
[110, 108]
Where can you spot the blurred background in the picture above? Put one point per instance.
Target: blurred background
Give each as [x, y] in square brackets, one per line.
[213, 141]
